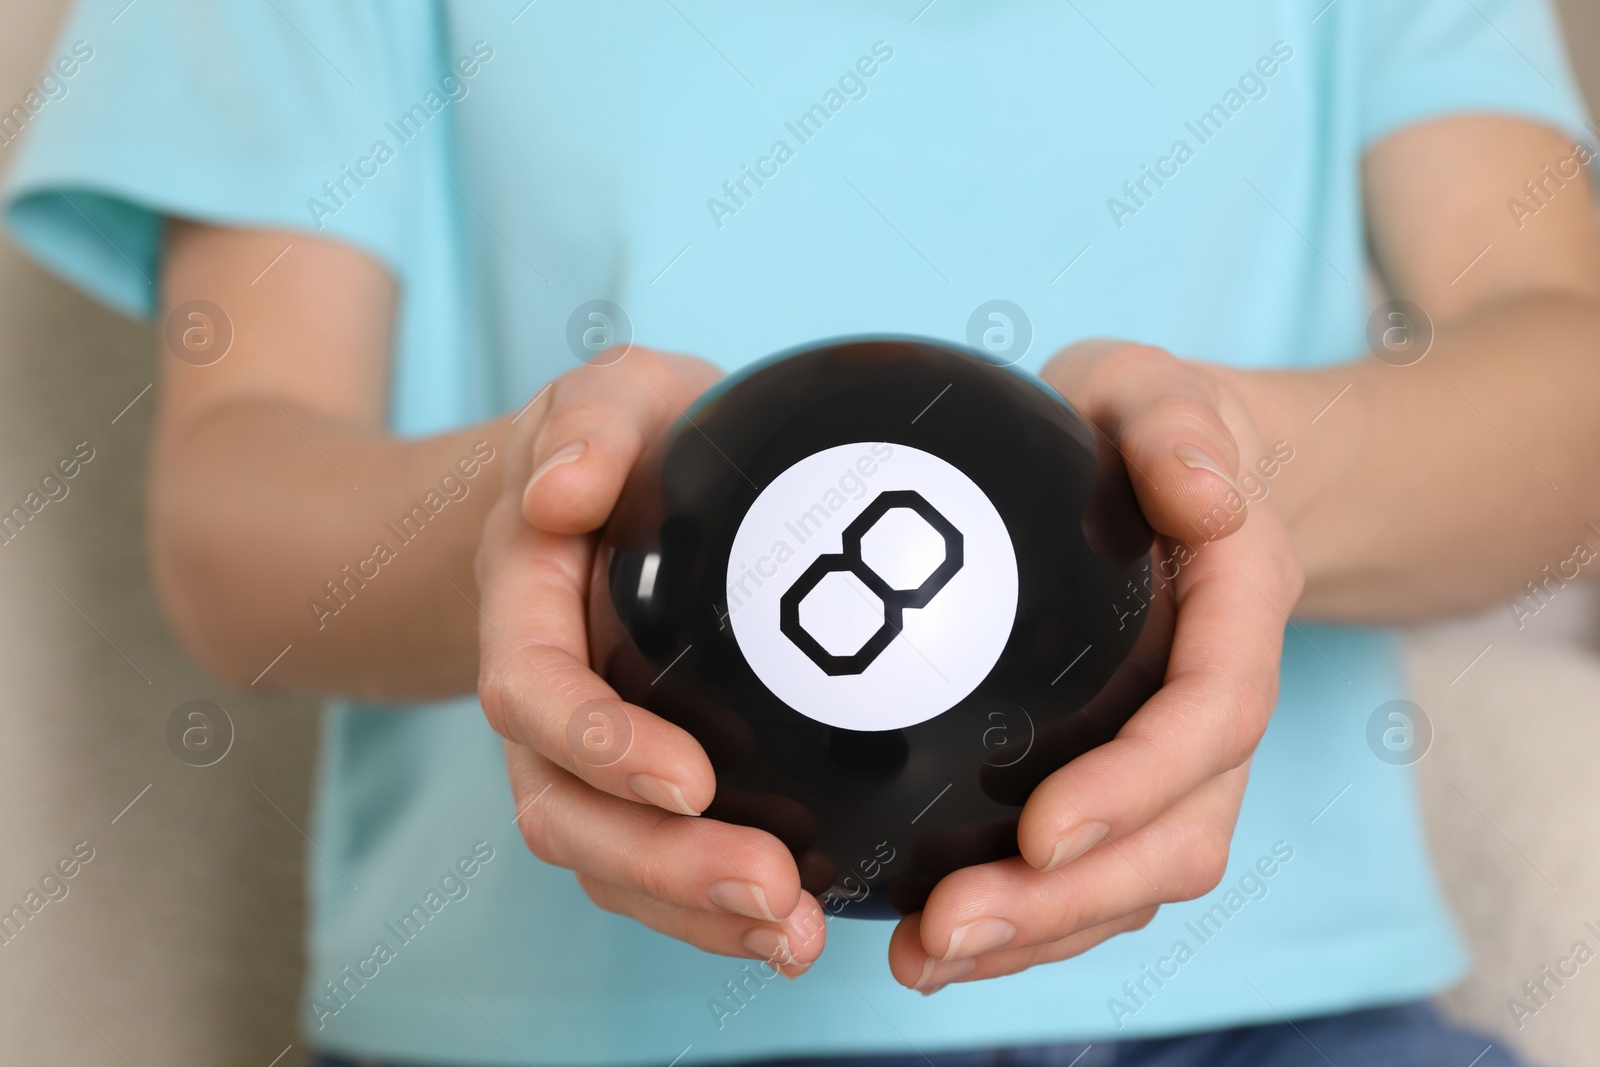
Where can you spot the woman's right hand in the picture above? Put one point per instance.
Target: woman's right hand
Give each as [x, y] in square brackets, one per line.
[603, 787]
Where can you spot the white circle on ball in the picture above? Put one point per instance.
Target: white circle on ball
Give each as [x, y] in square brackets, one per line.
[943, 650]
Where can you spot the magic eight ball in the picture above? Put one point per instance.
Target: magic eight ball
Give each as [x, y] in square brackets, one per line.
[889, 587]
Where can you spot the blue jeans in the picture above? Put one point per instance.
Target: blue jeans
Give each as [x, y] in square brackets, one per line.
[1409, 1035]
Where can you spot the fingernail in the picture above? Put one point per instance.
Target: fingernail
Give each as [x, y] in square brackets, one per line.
[567, 453]
[741, 898]
[660, 792]
[1076, 842]
[936, 974]
[1195, 459]
[792, 971]
[977, 937]
[767, 944]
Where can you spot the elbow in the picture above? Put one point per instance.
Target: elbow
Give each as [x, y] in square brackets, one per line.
[202, 586]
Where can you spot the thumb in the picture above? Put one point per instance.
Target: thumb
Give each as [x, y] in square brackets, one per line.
[598, 422]
[1183, 463]
[1161, 416]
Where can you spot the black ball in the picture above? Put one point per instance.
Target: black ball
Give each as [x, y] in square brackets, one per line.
[889, 587]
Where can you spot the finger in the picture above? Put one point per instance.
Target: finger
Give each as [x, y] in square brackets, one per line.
[1008, 905]
[592, 429]
[789, 947]
[912, 966]
[1220, 689]
[691, 863]
[536, 687]
[1163, 417]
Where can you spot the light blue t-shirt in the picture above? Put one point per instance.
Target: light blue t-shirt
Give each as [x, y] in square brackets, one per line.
[741, 179]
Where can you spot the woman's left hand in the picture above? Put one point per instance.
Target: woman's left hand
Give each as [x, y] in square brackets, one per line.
[1147, 818]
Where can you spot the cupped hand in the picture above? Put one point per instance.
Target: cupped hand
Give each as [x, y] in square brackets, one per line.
[1145, 819]
[604, 787]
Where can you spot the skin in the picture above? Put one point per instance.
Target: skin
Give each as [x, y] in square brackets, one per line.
[1406, 500]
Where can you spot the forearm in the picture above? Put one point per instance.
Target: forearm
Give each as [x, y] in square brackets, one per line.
[1441, 487]
[273, 527]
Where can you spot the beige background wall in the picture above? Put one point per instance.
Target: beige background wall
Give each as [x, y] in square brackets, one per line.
[179, 942]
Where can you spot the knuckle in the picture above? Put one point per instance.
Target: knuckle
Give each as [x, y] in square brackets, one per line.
[1073, 913]
[610, 356]
[599, 733]
[637, 365]
[648, 875]
[692, 372]
[539, 834]
[540, 406]
[660, 366]
[524, 689]
[662, 874]
[1291, 574]
[600, 894]
[1201, 872]
[1239, 739]
[806, 926]
[495, 696]
[552, 399]
[587, 411]
[675, 379]
[1246, 722]
[1266, 704]
[1136, 357]
[1073, 905]
[1188, 411]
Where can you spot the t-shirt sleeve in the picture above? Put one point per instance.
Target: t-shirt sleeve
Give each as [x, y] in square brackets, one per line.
[247, 114]
[1427, 58]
